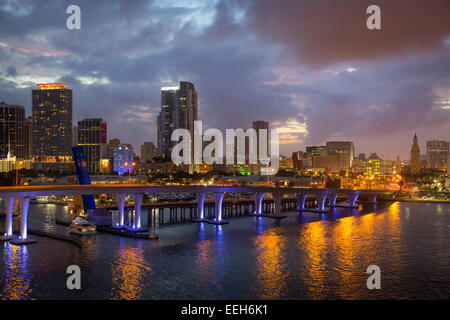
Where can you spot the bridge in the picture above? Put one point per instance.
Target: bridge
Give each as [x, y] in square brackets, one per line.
[24, 193]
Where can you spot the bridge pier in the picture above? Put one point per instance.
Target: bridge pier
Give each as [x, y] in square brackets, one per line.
[301, 198]
[321, 197]
[23, 238]
[351, 200]
[200, 207]
[277, 203]
[258, 198]
[332, 196]
[218, 198]
[9, 207]
[137, 198]
[372, 198]
[120, 197]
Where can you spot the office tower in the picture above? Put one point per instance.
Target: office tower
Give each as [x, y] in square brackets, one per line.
[437, 155]
[52, 120]
[12, 120]
[123, 159]
[261, 125]
[415, 156]
[362, 156]
[148, 151]
[373, 165]
[28, 138]
[325, 160]
[345, 150]
[110, 147]
[297, 160]
[179, 110]
[315, 150]
[92, 134]
[75, 136]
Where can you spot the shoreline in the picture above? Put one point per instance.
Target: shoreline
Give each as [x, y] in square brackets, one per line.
[422, 201]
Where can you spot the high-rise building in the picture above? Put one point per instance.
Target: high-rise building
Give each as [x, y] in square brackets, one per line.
[110, 147]
[316, 150]
[12, 121]
[92, 135]
[345, 150]
[74, 136]
[415, 156]
[52, 120]
[179, 110]
[28, 138]
[261, 125]
[148, 151]
[297, 161]
[437, 154]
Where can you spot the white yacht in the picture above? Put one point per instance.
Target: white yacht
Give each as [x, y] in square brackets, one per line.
[82, 227]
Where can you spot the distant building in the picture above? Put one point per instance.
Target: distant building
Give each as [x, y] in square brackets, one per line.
[123, 159]
[92, 135]
[257, 126]
[12, 121]
[297, 161]
[52, 120]
[110, 147]
[179, 110]
[328, 161]
[373, 165]
[345, 150]
[437, 155]
[415, 157]
[28, 138]
[148, 151]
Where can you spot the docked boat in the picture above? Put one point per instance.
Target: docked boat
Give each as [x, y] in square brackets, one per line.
[82, 227]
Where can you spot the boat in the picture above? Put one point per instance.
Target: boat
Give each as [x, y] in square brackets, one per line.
[82, 227]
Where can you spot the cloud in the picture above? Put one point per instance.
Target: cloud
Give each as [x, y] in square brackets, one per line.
[329, 31]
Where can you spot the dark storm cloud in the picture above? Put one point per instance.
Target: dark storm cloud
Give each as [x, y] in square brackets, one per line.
[329, 31]
[293, 63]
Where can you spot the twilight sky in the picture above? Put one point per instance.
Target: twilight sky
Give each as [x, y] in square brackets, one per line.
[310, 68]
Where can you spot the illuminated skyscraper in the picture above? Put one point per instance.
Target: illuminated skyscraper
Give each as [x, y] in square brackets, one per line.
[28, 138]
[12, 119]
[52, 120]
[345, 150]
[415, 156]
[437, 154]
[179, 110]
[92, 136]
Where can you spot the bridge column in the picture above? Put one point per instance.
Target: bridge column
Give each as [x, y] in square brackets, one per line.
[120, 205]
[137, 210]
[301, 198]
[332, 196]
[9, 207]
[258, 198]
[200, 207]
[351, 200]
[277, 201]
[321, 197]
[23, 239]
[372, 198]
[218, 198]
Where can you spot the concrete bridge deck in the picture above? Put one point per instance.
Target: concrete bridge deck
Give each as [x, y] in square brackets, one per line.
[24, 193]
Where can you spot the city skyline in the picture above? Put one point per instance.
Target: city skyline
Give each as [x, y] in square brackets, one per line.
[375, 91]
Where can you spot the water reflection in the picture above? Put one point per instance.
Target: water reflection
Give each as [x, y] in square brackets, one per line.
[271, 271]
[17, 277]
[313, 241]
[130, 273]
